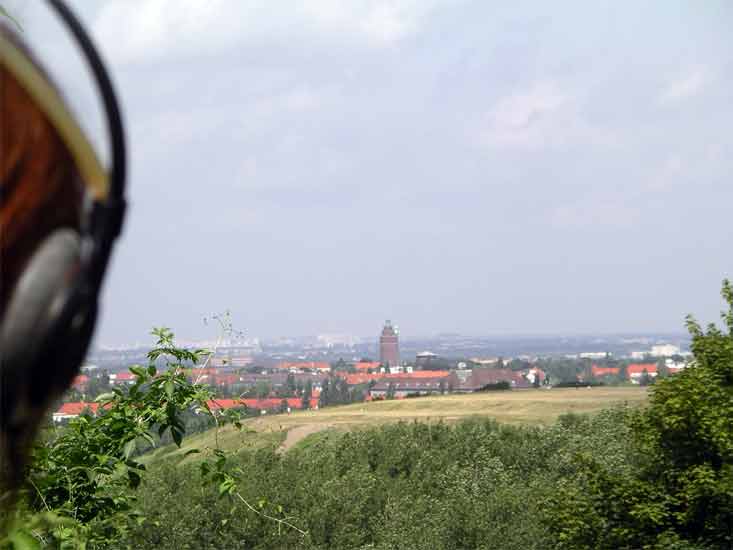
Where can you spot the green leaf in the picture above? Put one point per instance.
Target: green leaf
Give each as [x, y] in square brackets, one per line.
[104, 397]
[22, 540]
[152, 370]
[129, 448]
[177, 435]
[226, 487]
[140, 372]
[169, 388]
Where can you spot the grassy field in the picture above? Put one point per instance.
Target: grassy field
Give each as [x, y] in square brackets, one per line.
[538, 407]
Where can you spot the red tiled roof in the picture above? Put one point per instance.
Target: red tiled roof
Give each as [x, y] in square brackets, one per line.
[638, 368]
[80, 380]
[221, 379]
[366, 365]
[76, 408]
[124, 376]
[603, 371]
[363, 377]
[216, 404]
[422, 374]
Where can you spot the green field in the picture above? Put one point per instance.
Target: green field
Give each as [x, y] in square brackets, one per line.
[532, 406]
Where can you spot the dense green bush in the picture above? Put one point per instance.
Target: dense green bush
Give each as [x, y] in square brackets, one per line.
[475, 484]
[677, 488]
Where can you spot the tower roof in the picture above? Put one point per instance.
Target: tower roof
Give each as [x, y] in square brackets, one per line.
[388, 329]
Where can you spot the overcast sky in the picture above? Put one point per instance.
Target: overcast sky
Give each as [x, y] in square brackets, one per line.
[478, 167]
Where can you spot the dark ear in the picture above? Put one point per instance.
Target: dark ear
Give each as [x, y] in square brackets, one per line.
[28, 376]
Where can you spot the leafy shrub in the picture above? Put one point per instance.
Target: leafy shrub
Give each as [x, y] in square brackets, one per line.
[475, 484]
[676, 490]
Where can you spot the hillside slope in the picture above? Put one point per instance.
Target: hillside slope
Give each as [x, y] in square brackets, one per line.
[519, 407]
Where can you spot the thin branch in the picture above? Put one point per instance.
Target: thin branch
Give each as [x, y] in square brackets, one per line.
[279, 521]
[219, 338]
[40, 494]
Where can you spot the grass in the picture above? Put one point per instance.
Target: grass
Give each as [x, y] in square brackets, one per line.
[532, 406]
[514, 407]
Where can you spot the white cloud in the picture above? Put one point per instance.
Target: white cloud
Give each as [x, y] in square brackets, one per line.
[154, 29]
[668, 173]
[544, 115]
[596, 213]
[519, 111]
[684, 87]
[382, 22]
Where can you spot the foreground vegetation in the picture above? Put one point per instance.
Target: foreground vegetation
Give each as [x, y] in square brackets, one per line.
[655, 477]
[532, 407]
[474, 484]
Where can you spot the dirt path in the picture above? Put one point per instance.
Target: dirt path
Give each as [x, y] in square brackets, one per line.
[298, 433]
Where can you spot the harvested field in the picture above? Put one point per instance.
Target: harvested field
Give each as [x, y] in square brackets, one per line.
[531, 406]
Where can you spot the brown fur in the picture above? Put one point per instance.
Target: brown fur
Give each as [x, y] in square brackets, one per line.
[40, 192]
[39, 188]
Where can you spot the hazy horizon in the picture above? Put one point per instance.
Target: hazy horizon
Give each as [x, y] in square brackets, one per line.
[454, 166]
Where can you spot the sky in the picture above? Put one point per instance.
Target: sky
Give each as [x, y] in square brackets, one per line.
[469, 166]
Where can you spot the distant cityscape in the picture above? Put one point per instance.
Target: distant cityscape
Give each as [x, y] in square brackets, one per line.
[309, 373]
[387, 347]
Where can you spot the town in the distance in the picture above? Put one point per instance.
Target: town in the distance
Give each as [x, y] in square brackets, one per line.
[286, 374]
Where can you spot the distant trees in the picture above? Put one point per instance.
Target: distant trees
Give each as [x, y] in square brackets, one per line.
[518, 364]
[622, 372]
[336, 391]
[97, 385]
[262, 389]
[645, 379]
[562, 371]
[342, 365]
[307, 395]
[290, 384]
[662, 369]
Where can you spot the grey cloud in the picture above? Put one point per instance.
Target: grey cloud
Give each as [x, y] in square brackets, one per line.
[465, 166]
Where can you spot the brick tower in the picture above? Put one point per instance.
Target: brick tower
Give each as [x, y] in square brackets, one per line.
[389, 346]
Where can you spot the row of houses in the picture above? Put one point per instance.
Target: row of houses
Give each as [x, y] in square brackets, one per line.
[81, 381]
[635, 372]
[457, 381]
[71, 410]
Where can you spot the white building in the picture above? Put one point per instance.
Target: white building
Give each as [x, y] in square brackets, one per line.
[399, 369]
[665, 350]
[594, 355]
